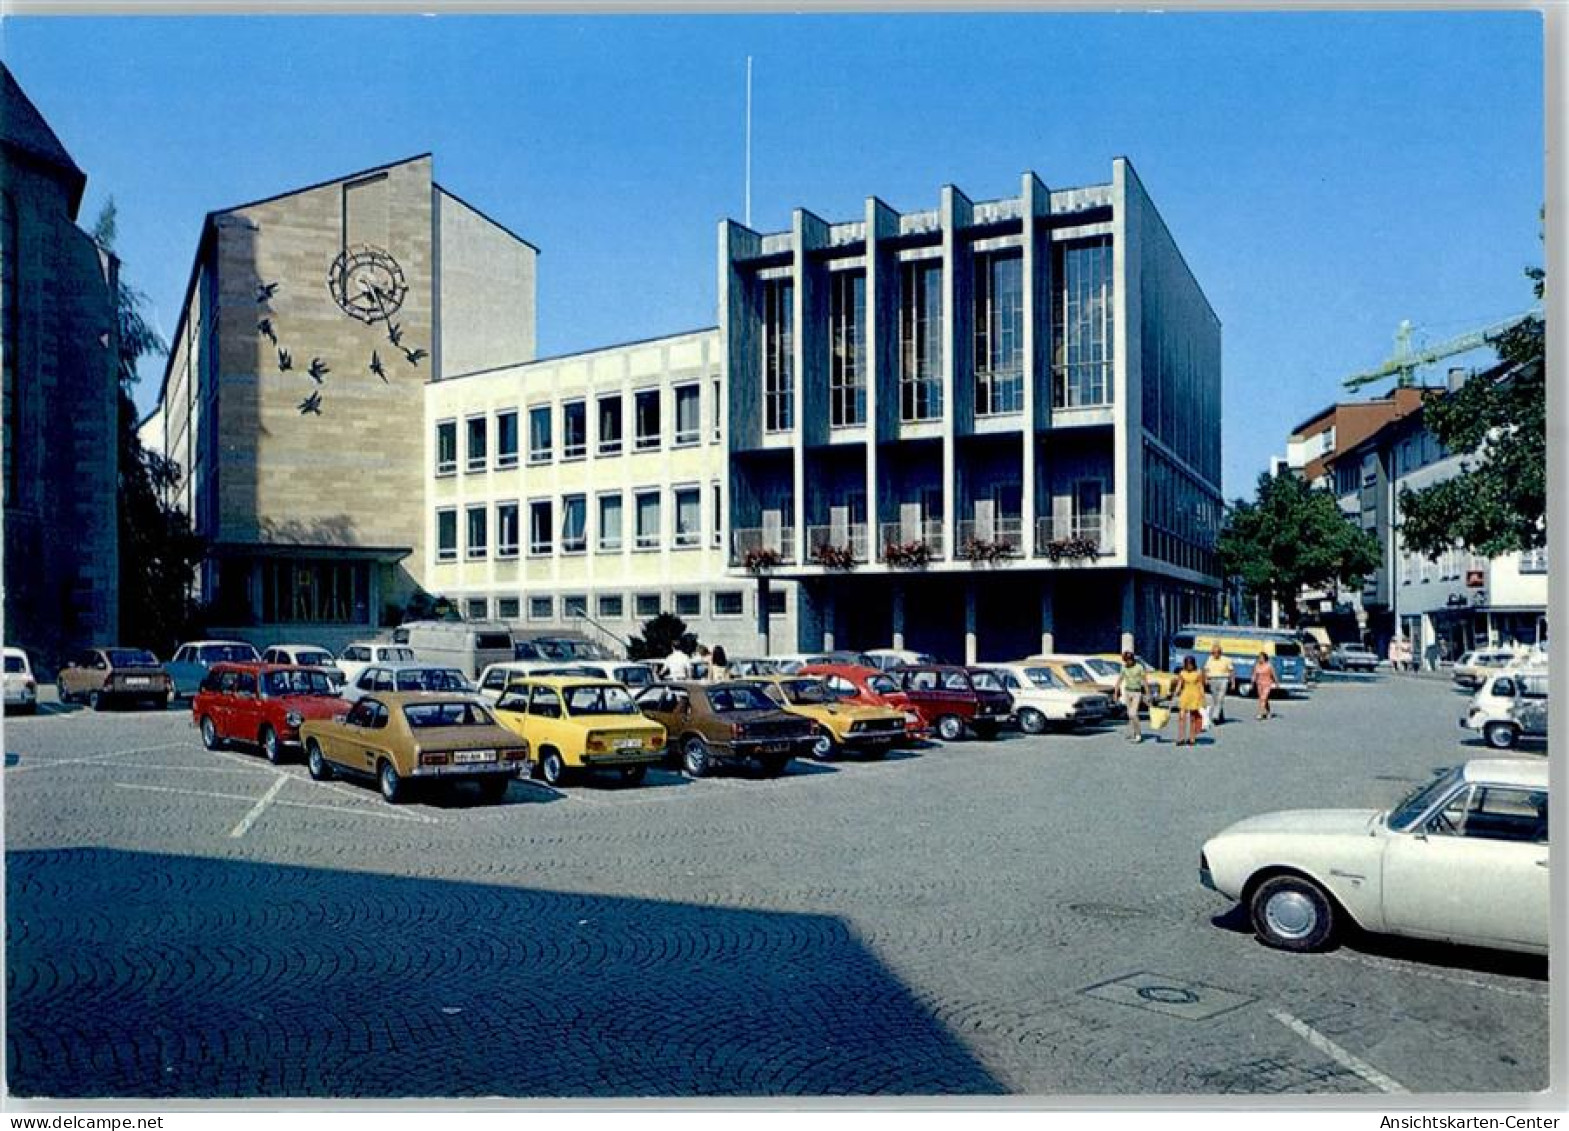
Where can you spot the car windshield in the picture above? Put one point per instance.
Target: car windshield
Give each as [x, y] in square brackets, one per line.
[1044, 678]
[228, 653]
[133, 658]
[315, 659]
[1103, 667]
[986, 681]
[599, 699]
[738, 697]
[882, 684]
[456, 713]
[1077, 673]
[1420, 799]
[296, 683]
[805, 691]
[432, 679]
[14, 664]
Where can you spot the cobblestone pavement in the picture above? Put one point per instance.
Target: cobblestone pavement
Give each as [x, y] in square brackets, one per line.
[1018, 917]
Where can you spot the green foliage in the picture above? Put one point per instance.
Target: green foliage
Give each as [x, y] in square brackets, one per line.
[660, 636]
[1293, 535]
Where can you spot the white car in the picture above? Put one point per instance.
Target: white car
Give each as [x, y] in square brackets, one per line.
[21, 689]
[1041, 697]
[356, 657]
[1472, 668]
[1462, 858]
[889, 658]
[305, 655]
[494, 679]
[405, 675]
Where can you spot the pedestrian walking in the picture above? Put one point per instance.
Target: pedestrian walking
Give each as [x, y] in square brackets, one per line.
[1264, 682]
[1130, 686]
[718, 665]
[1219, 672]
[1190, 701]
[678, 665]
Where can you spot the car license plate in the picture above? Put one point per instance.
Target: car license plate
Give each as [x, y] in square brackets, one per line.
[463, 757]
[629, 744]
[137, 681]
[775, 747]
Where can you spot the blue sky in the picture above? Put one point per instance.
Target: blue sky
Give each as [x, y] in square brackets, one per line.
[1326, 174]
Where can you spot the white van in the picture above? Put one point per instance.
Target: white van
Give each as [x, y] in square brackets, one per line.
[471, 646]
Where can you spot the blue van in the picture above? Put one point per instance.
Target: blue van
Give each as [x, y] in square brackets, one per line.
[1242, 644]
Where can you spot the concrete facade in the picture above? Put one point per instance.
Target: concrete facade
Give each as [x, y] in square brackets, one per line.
[59, 353]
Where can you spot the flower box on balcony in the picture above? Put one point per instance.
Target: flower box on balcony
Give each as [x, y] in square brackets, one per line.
[761, 559]
[833, 557]
[984, 551]
[908, 555]
[1059, 549]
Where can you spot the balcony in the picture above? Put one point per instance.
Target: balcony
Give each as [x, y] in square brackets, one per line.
[904, 534]
[757, 540]
[852, 534]
[1069, 537]
[993, 538]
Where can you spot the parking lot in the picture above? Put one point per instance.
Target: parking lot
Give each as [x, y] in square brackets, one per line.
[1016, 917]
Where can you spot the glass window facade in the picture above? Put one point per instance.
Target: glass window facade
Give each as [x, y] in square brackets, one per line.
[999, 333]
[847, 349]
[1083, 326]
[1181, 515]
[10, 340]
[307, 592]
[778, 355]
[920, 341]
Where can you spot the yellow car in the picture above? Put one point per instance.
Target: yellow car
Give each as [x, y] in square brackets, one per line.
[867, 730]
[581, 723]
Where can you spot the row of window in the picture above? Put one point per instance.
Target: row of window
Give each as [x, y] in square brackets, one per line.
[613, 606]
[1454, 562]
[1083, 337]
[567, 433]
[564, 524]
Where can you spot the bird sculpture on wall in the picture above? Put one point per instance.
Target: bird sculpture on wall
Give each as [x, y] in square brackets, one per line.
[375, 365]
[285, 361]
[318, 369]
[265, 291]
[264, 328]
[311, 405]
[414, 355]
[395, 334]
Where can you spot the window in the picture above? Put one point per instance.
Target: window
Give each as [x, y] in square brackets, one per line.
[507, 608]
[716, 403]
[539, 434]
[574, 605]
[10, 342]
[574, 430]
[999, 333]
[507, 439]
[610, 425]
[645, 407]
[689, 419]
[689, 516]
[610, 523]
[646, 504]
[317, 592]
[1534, 561]
[1489, 812]
[778, 355]
[689, 604]
[476, 608]
[776, 603]
[920, 341]
[728, 603]
[478, 543]
[574, 524]
[541, 608]
[646, 605]
[446, 536]
[540, 528]
[716, 531]
[447, 447]
[1083, 329]
[477, 455]
[612, 606]
[506, 530]
[847, 348]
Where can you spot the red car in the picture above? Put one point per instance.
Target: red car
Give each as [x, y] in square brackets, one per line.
[950, 698]
[871, 687]
[262, 704]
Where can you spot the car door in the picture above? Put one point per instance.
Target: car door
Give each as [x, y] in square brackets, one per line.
[1476, 872]
[1531, 705]
[546, 721]
[354, 743]
[243, 718]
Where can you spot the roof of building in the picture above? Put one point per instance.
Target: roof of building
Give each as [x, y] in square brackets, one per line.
[24, 129]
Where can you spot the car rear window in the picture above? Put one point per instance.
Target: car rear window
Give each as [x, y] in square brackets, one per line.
[431, 679]
[1103, 667]
[296, 683]
[318, 659]
[599, 699]
[1077, 673]
[131, 658]
[986, 681]
[635, 676]
[1045, 678]
[738, 697]
[422, 716]
[228, 653]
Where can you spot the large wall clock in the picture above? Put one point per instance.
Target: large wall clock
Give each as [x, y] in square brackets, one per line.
[367, 283]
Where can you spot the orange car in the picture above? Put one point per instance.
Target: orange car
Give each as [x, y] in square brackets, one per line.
[871, 687]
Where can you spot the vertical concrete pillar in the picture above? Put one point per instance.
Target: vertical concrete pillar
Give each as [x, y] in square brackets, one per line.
[762, 614]
[1129, 613]
[970, 650]
[1048, 620]
[828, 619]
[898, 617]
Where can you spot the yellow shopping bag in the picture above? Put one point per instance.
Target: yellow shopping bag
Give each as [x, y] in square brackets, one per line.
[1159, 717]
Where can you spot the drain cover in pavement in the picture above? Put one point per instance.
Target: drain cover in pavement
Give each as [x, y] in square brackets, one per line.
[1175, 997]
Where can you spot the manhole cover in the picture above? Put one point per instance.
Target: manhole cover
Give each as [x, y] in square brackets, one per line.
[1163, 993]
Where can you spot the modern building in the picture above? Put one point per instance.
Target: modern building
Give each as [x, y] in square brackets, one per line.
[59, 344]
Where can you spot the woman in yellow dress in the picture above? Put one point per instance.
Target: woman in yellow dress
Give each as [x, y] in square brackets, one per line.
[1190, 701]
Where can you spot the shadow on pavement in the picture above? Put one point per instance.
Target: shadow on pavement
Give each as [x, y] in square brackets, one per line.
[150, 975]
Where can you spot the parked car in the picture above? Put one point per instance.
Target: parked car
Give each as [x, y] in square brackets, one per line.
[1041, 698]
[400, 738]
[632, 674]
[192, 661]
[725, 722]
[842, 726]
[1472, 668]
[788, 663]
[1352, 658]
[578, 723]
[889, 658]
[871, 687]
[494, 679]
[308, 656]
[261, 704]
[1511, 705]
[21, 689]
[950, 698]
[748, 665]
[1461, 858]
[1162, 682]
[470, 646]
[553, 644]
[355, 657]
[102, 676]
[405, 675]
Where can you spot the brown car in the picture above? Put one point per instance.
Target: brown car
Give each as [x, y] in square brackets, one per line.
[726, 722]
[103, 676]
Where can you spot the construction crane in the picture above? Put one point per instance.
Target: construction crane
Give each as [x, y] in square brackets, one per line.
[1405, 362]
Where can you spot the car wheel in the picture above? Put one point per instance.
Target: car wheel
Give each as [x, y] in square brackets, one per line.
[1032, 721]
[493, 788]
[210, 738]
[950, 728]
[392, 787]
[1292, 913]
[633, 775]
[316, 761]
[1500, 736]
[552, 768]
[695, 758]
[270, 745]
[822, 747]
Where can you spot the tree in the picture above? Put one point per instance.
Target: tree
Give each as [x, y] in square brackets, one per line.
[1292, 536]
[159, 551]
[660, 637]
[1497, 424]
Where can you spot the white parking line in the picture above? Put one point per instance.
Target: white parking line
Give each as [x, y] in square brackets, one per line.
[259, 808]
[95, 759]
[1403, 968]
[1324, 1045]
[358, 811]
[185, 792]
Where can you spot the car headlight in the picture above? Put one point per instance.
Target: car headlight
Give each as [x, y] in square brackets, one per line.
[294, 718]
[911, 717]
